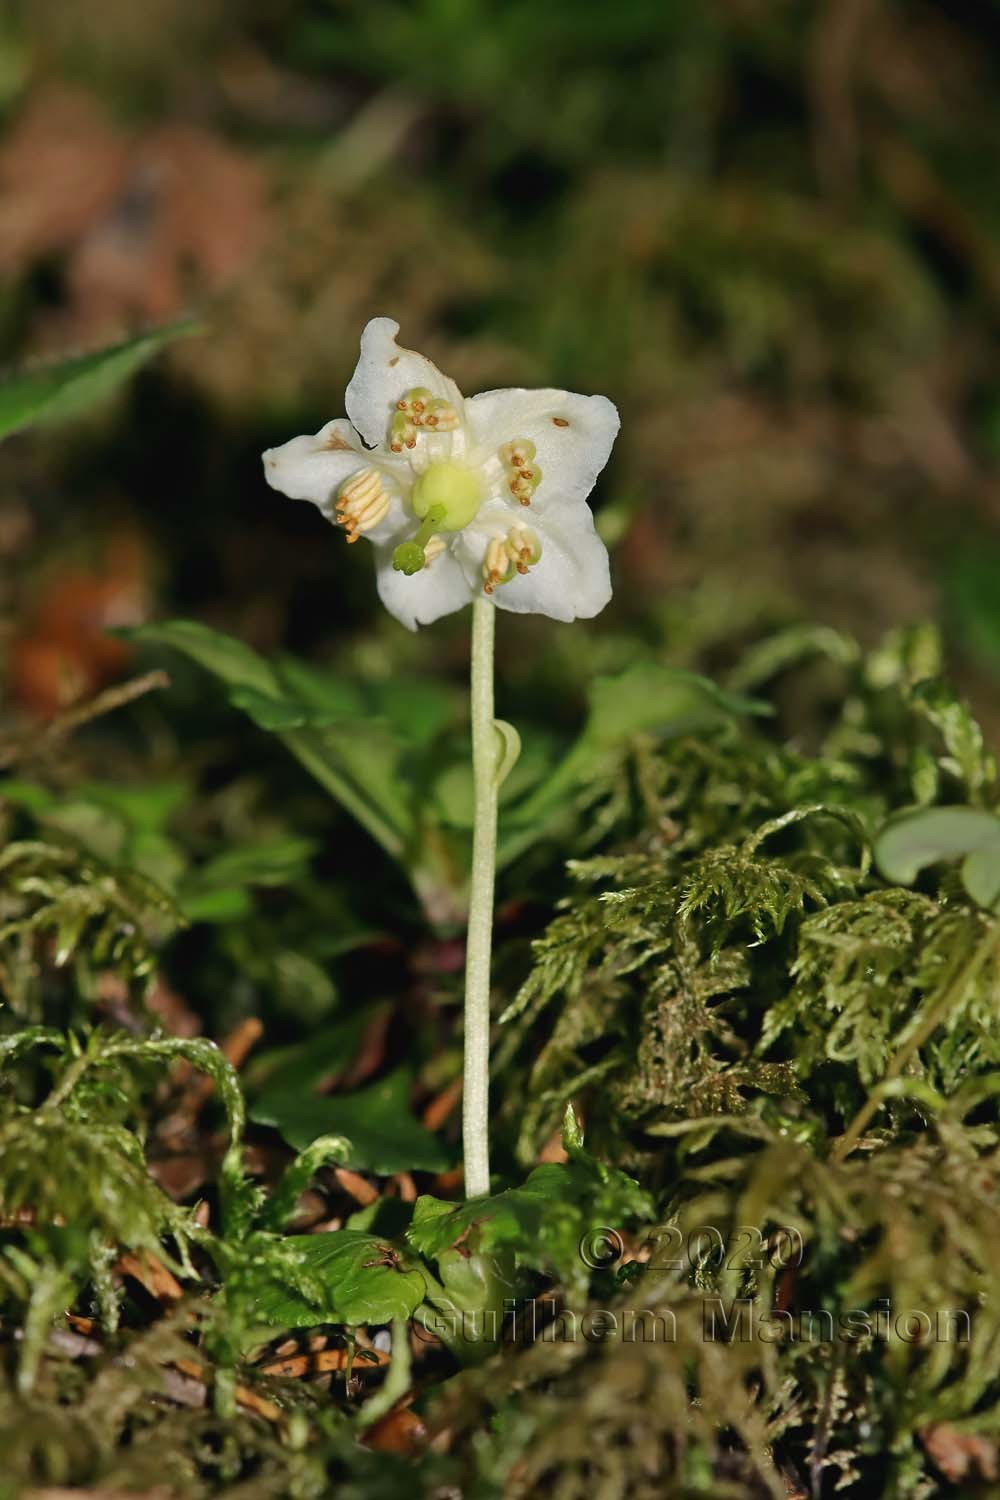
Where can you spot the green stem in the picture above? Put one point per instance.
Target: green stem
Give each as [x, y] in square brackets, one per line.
[485, 749]
[397, 1381]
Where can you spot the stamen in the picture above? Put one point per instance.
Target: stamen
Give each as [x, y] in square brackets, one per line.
[442, 416]
[415, 400]
[362, 502]
[497, 565]
[402, 433]
[420, 408]
[523, 474]
[518, 454]
[523, 548]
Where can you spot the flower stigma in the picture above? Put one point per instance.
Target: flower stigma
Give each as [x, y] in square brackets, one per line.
[451, 488]
[410, 556]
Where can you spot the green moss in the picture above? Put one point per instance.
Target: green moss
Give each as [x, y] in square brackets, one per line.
[794, 1057]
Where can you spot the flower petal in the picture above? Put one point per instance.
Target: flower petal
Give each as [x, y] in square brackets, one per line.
[313, 467]
[572, 578]
[420, 598]
[384, 373]
[573, 436]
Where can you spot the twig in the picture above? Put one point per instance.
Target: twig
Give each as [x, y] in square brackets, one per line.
[82, 713]
[359, 1188]
[442, 1105]
[322, 1360]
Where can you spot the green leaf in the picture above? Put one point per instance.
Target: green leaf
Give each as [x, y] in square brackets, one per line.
[217, 906]
[120, 825]
[275, 861]
[453, 794]
[652, 699]
[345, 1276]
[231, 660]
[355, 759]
[384, 1135]
[147, 808]
[305, 1065]
[418, 710]
[276, 715]
[981, 875]
[542, 1224]
[911, 840]
[27, 795]
[366, 763]
[321, 689]
[49, 391]
[369, 755]
[219, 890]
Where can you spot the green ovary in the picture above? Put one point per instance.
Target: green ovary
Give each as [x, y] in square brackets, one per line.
[451, 489]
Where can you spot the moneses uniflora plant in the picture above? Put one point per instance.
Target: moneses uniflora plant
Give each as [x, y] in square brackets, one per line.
[484, 501]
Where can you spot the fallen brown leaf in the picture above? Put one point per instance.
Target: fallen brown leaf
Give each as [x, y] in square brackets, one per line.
[360, 1189]
[442, 1105]
[960, 1455]
[399, 1431]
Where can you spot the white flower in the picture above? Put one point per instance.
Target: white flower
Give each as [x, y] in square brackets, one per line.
[459, 497]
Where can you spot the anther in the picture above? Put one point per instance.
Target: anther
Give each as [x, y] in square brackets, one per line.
[418, 408]
[523, 548]
[523, 474]
[402, 433]
[362, 502]
[518, 454]
[442, 416]
[498, 565]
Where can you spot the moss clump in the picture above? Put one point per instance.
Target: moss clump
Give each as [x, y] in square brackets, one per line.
[794, 1057]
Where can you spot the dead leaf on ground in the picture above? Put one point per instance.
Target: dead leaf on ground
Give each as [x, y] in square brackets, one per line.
[960, 1455]
[399, 1431]
[146, 223]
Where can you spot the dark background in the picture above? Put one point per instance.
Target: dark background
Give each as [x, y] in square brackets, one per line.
[767, 230]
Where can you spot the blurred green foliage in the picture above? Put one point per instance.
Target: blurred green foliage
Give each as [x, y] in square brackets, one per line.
[766, 230]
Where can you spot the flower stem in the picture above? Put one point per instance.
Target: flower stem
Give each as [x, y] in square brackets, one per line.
[485, 750]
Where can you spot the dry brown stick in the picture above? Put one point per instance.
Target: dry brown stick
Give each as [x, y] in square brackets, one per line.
[149, 1271]
[82, 713]
[359, 1188]
[442, 1105]
[196, 1373]
[326, 1359]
